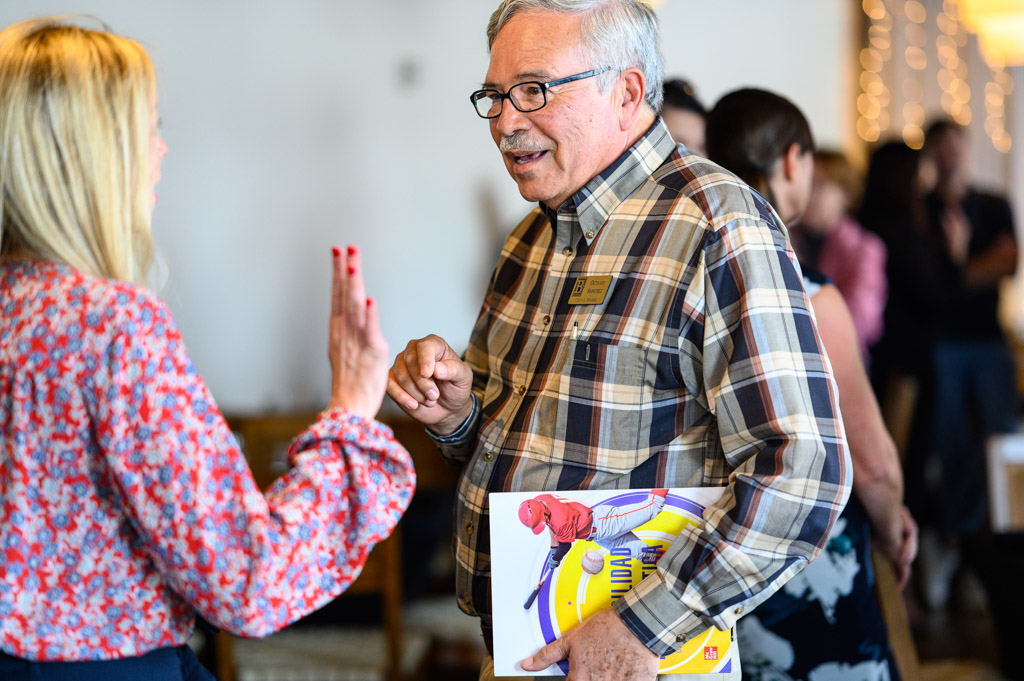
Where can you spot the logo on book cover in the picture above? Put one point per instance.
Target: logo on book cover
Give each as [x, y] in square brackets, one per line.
[710, 652]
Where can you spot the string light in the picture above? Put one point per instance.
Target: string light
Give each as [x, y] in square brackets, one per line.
[873, 102]
[952, 74]
[952, 77]
[917, 60]
[995, 108]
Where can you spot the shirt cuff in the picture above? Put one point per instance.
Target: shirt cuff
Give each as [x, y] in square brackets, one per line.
[461, 433]
[343, 426]
[657, 618]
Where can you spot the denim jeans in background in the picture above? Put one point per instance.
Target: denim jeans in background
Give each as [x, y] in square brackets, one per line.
[975, 397]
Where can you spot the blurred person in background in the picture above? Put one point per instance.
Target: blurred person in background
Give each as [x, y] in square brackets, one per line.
[684, 115]
[827, 617]
[898, 178]
[974, 369]
[829, 239]
[127, 510]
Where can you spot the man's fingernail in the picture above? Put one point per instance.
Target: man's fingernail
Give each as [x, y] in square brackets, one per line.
[336, 251]
[431, 394]
[527, 662]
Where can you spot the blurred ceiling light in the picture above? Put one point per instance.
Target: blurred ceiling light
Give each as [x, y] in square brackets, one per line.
[999, 25]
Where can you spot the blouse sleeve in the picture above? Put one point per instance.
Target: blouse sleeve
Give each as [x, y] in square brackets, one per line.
[249, 562]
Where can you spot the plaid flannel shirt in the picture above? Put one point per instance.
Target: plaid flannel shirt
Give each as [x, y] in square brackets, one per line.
[701, 367]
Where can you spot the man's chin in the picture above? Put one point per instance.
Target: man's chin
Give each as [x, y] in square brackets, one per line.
[530, 191]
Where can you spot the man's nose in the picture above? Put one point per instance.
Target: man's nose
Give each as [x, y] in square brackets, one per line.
[510, 120]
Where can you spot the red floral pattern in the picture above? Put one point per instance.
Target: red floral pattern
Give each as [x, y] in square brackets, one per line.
[126, 507]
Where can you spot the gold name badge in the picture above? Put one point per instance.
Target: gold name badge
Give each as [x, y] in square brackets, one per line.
[590, 290]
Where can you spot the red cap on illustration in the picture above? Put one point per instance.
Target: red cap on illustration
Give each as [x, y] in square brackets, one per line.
[531, 514]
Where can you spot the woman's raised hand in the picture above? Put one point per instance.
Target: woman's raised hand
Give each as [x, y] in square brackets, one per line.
[358, 352]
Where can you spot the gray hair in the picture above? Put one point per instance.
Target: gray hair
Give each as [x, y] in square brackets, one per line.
[617, 33]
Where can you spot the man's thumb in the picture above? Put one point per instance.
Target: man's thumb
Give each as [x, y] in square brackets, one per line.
[546, 656]
[454, 370]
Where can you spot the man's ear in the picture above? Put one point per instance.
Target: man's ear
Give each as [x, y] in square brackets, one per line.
[630, 91]
[790, 160]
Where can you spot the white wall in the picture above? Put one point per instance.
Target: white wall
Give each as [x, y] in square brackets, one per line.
[295, 126]
[801, 49]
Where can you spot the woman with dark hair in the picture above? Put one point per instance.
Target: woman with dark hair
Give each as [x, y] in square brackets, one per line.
[894, 208]
[684, 115]
[764, 139]
[827, 618]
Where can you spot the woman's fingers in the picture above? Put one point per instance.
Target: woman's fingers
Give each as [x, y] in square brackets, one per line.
[355, 293]
[358, 351]
[337, 281]
[374, 338]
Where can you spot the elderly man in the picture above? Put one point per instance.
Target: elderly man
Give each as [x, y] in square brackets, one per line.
[645, 327]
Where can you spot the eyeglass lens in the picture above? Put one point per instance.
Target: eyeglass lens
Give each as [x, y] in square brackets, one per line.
[525, 97]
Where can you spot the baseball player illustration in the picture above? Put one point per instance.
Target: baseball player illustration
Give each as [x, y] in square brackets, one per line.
[610, 527]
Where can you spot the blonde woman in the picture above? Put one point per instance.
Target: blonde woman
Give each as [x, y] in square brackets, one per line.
[126, 507]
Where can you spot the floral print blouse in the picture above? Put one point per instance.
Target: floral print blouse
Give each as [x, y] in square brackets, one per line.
[126, 506]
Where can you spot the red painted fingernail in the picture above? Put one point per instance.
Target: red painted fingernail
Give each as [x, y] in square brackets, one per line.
[369, 302]
[351, 270]
[336, 251]
[351, 250]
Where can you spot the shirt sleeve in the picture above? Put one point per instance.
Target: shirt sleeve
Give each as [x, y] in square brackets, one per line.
[764, 376]
[248, 562]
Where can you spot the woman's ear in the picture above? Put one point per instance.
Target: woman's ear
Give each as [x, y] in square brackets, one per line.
[790, 160]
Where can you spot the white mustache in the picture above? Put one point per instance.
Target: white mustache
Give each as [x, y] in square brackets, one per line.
[519, 142]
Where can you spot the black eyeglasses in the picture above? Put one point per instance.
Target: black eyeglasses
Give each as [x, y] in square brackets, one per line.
[525, 97]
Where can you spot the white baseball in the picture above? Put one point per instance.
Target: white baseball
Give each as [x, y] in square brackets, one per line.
[592, 562]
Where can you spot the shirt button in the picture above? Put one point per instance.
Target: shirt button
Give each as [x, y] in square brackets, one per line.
[566, 251]
[738, 611]
[488, 456]
[680, 639]
[590, 234]
[521, 390]
[547, 319]
[469, 528]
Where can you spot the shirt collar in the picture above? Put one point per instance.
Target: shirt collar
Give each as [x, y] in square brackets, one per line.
[598, 198]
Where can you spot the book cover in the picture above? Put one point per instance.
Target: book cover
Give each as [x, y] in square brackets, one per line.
[614, 539]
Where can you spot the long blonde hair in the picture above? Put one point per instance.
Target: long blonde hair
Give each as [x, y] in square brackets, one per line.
[74, 147]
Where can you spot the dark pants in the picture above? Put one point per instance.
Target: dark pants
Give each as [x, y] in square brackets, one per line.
[975, 397]
[164, 664]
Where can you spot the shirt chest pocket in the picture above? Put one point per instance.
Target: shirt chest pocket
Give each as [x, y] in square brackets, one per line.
[602, 397]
